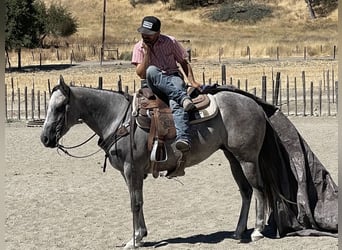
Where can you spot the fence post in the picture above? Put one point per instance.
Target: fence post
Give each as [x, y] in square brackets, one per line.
[32, 103]
[100, 82]
[263, 88]
[311, 98]
[304, 53]
[288, 95]
[19, 104]
[38, 103]
[277, 89]
[12, 101]
[295, 90]
[304, 93]
[328, 92]
[320, 98]
[336, 91]
[119, 84]
[26, 103]
[246, 85]
[45, 106]
[223, 73]
[277, 53]
[249, 53]
[6, 115]
[203, 78]
[49, 87]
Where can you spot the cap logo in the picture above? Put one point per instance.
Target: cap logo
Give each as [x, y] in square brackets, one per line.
[147, 25]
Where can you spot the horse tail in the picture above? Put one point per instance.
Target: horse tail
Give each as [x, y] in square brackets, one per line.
[279, 184]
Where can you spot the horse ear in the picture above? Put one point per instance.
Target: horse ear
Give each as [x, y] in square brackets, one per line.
[63, 86]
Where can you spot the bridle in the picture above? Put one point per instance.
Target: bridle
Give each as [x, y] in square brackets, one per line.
[62, 123]
[106, 144]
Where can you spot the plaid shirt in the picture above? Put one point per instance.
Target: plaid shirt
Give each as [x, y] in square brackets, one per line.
[165, 54]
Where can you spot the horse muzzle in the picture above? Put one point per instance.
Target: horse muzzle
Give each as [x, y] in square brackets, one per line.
[50, 142]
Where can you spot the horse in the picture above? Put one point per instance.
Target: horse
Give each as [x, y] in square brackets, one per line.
[238, 130]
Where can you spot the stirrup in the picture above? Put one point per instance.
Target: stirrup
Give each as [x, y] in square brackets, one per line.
[155, 151]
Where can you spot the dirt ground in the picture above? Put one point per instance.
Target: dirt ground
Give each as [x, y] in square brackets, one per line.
[53, 201]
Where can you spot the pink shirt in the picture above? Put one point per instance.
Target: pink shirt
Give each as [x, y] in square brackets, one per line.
[165, 54]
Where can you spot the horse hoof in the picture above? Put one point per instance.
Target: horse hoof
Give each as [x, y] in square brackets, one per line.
[130, 245]
[256, 235]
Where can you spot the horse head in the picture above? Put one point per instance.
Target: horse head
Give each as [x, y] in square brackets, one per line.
[58, 119]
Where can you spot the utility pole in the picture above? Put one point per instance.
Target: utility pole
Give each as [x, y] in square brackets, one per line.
[103, 30]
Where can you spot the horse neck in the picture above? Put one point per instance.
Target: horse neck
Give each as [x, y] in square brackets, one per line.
[101, 110]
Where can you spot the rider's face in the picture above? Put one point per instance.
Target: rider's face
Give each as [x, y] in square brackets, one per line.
[149, 40]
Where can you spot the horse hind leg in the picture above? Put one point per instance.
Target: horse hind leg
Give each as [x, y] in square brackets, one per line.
[252, 173]
[246, 192]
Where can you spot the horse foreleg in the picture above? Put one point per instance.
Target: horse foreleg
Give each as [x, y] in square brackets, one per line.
[135, 186]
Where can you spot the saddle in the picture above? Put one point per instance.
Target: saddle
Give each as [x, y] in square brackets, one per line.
[155, 116]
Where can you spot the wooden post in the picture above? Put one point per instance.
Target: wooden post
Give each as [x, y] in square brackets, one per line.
[277, 53]
[19, 104]
[288, 95]
[126, 89]
[295, 90]
[100, 82]
[311, 98]
[203, 78]
[334, 52]
[304, 53]
[32, 104]
[119, 84]
[320, 98]
[26, 104]
[277, 88]
[6, 115]
[263, 88]
[249, 53]
[238, 83]
[12, 102]
[38, 103]
[246, 85]
[336, 91]
[332, 85]
[45, 104]
[328, 93]
[304, 93]
[49, 87]
[223, 73]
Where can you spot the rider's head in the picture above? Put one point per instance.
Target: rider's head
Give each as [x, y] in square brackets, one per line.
[150, 29]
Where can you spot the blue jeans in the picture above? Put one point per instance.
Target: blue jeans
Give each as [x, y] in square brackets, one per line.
[172, 90]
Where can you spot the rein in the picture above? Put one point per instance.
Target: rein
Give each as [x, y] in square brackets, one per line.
[64, 148]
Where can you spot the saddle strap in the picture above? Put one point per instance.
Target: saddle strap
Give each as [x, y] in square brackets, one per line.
[153, 135]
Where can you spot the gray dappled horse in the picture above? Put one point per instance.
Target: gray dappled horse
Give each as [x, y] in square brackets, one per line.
[238, 130]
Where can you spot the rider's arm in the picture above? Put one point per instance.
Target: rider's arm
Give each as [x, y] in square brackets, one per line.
[187, 69]
[141, 59]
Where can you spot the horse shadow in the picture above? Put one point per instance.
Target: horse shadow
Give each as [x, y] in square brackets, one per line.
[212, 238]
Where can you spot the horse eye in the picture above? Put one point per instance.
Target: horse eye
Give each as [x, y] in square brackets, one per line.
[60, 108]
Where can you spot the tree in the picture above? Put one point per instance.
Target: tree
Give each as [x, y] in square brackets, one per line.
[28, 22]
[21, 28]
[56, 21]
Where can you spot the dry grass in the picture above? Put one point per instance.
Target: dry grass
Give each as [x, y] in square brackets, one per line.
[289, 29]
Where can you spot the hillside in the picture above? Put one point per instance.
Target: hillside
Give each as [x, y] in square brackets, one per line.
[289, 26]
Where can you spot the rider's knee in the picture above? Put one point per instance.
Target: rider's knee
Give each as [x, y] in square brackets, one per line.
[152, 71]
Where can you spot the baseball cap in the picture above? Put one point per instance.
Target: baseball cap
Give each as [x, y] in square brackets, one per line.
[149, 25]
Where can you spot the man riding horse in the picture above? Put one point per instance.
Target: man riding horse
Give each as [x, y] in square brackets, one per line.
[156, 57]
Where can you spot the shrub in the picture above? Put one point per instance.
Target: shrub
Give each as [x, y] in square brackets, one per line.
[240, 12]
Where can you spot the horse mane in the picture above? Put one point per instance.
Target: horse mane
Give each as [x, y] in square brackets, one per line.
[126, 95]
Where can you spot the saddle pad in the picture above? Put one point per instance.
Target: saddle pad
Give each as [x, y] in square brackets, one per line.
[198, 116]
